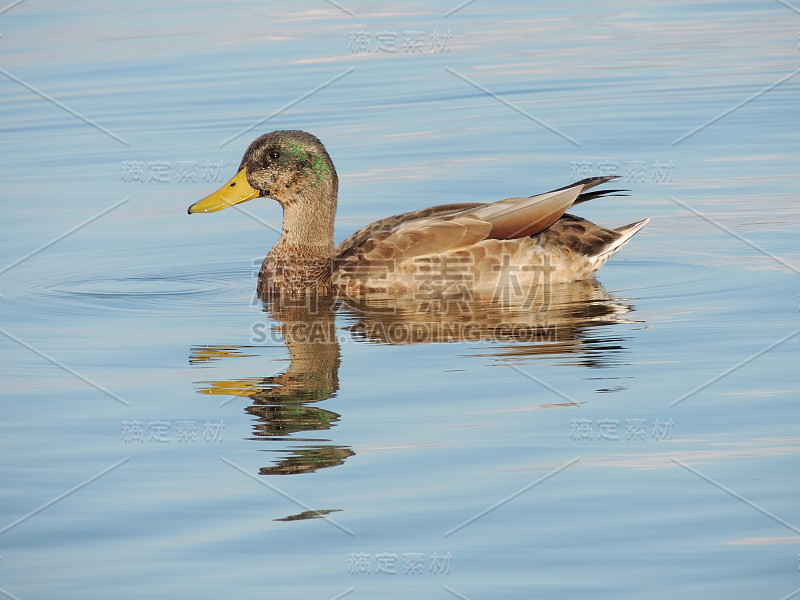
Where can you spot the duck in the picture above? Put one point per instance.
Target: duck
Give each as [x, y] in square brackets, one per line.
[514, 244]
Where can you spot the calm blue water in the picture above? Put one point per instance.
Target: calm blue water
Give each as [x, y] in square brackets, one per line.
[165, 434]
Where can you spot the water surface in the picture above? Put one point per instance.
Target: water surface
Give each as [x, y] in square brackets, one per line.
[165, 433]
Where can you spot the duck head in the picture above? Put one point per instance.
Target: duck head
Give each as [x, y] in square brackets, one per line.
[293, 168]
[288, 166]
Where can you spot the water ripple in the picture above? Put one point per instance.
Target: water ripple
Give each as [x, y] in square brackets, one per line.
[149, 291]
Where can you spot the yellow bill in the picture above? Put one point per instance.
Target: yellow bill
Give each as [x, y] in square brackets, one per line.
[235, 191]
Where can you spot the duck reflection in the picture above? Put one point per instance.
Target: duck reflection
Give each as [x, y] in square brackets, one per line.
[550, 320]
[566, 320]
[284, 404]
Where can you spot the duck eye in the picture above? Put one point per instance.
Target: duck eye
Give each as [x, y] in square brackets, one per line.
[274, 155]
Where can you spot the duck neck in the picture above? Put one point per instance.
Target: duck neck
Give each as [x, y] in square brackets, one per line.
[300, 263]
[308, 222]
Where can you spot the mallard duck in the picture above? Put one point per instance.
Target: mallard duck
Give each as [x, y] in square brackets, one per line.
[464, 248]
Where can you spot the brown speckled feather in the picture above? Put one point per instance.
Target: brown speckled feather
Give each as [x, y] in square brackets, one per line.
[352, 243]
[515, 242]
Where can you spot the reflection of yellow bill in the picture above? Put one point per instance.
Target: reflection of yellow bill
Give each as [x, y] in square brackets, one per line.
[210, 353]
[243, 387]
[235, 191]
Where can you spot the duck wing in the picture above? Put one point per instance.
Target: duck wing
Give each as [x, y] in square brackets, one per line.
[389, 224]
[514, 218]
[450, 227]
